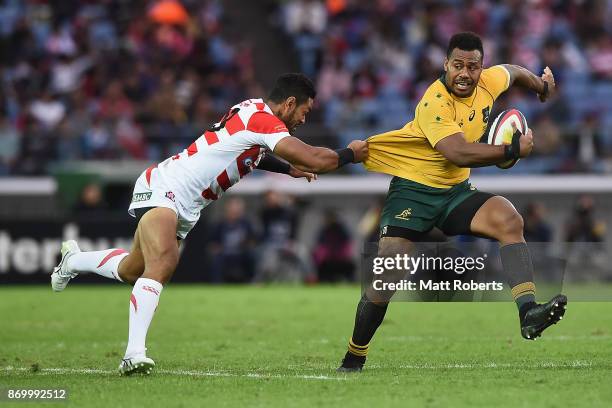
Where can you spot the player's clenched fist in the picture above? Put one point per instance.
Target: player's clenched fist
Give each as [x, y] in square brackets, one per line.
[549, 87]
[360, 149]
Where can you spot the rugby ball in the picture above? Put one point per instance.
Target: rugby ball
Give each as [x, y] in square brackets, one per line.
[501, 131]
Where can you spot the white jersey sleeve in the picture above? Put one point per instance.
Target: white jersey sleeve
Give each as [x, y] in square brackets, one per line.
[265, 129]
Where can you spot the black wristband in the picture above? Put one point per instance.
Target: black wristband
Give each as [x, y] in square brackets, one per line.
[513, 151]
[345, 156]
[545, 90]
[274, 165]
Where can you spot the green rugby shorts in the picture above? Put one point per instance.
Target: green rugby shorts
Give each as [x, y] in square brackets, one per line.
[413, 209]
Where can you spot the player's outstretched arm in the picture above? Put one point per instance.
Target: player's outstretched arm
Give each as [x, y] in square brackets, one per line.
[319, 159]
[463, 154]
[275, 165]
[544, 85]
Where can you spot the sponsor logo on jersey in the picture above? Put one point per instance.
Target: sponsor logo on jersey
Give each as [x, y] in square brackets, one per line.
[472, 114]
[141, 197]
[404, 215]
[170, 196]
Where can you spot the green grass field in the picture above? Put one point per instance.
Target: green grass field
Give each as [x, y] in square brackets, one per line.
[279, 346]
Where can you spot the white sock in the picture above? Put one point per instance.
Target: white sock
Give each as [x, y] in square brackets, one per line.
[104, 263]
[143, 302]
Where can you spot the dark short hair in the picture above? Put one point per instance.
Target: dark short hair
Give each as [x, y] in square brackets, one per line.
[293, 84]
[466, 41]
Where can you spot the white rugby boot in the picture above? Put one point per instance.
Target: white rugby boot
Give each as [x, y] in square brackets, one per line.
[61, 275]
[138, 364]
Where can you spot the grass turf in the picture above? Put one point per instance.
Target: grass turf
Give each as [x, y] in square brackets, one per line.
[279, 346]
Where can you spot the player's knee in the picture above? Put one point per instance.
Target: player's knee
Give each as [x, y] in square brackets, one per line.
[508, 223]
[391, 246]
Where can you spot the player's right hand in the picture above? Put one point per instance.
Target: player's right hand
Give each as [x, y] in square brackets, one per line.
[548, 76]
[526, 143]
[360, 149]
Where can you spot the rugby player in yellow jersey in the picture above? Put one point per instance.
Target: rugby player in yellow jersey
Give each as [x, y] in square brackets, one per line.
[430, 159]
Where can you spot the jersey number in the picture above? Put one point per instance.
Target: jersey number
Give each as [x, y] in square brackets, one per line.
[218, 126]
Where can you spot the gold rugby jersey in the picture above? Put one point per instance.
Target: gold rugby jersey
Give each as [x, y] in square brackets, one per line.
[409, 152]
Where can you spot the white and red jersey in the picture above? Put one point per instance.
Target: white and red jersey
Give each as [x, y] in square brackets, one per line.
[218, 159]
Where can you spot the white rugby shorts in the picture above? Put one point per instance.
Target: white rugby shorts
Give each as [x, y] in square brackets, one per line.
[151, 191]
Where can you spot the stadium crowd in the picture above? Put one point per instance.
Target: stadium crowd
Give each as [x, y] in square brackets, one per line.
[374, 59]
[113, 79]
[139, 79]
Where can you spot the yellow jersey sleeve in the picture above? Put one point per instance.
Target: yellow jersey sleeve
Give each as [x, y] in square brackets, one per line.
[435, 117]
[495, 80]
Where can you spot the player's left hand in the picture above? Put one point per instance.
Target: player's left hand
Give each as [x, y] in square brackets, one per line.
[550, 79]
[296, 173]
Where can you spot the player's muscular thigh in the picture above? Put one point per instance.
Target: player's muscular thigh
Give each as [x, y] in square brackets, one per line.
[390, 247]
[498, 219]
[158, 243]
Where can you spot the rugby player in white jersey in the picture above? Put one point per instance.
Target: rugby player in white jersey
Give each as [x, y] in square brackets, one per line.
[169, 196]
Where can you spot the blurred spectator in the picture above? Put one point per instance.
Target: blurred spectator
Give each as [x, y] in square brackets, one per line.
[9, 145]
[114, 103]
[91, 204]
[98, 140]
[582, 225]
[585, 253]
[48, 110]
[232, 243]
[369, 225]
[333, 252]
[334, 81]
[306, 21]
[279, 220]
[536, 228]
[587, 145]
[281, 256]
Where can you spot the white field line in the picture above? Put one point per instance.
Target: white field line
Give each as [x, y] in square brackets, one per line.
[186, 373]
[199, 374]
[467, 366]
[493, 365]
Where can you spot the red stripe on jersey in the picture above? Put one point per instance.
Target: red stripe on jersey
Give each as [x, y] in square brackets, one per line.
[133, 300]
[112, 254]
[209, 195]
[224, 181]
[148, 174]
[234, 124]
[260, 106]
[264, 122]
[211, 137]
[246, 160]
[192, 149]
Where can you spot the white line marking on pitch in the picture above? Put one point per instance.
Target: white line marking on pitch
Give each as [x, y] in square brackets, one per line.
[544, 364]
[189, 373]
[195, 373]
